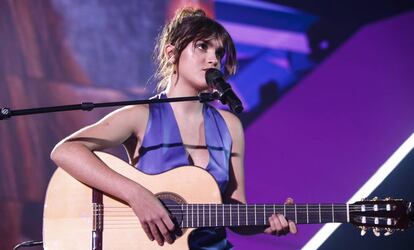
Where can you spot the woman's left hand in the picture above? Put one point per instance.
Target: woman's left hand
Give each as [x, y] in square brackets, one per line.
[279, 225]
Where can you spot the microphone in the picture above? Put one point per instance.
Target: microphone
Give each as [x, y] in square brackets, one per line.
[215, 79]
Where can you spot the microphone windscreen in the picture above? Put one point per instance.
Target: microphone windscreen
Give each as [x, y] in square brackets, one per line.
[212, 75]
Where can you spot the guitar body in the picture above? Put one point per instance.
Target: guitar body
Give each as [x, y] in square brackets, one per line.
[75, 214]
[69, 214]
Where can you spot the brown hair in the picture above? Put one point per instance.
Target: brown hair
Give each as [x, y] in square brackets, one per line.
[190, 25]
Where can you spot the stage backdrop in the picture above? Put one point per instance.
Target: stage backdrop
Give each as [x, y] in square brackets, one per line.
[318, 125]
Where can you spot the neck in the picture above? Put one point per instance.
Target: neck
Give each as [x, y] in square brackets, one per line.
[177, 89]
[213, 215]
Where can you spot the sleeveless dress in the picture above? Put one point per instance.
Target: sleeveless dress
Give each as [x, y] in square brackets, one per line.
[162, 149]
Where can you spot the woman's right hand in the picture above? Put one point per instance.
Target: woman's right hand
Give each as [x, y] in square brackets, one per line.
[154, 218]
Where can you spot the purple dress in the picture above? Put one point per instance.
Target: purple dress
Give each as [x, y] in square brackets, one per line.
[162, 149]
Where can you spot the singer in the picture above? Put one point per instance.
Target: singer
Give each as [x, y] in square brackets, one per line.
[160, 137]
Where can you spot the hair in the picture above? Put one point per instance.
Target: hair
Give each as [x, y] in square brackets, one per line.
[190, 25]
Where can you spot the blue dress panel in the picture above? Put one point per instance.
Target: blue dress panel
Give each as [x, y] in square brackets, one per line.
[162, 149]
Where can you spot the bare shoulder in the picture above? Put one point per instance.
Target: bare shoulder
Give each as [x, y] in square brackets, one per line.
[233, 123]
[135, 116]
[131, 109]
[133, 112]
[113, 129]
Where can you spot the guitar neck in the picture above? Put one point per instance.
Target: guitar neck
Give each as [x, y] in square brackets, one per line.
[229, 215]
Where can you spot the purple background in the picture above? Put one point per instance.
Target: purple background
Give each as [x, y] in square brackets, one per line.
[328, 123]
[327, 136]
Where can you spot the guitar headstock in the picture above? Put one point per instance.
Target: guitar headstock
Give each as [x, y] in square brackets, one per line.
[387, 215]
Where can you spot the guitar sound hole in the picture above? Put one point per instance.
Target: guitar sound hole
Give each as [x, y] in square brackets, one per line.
[172, 202]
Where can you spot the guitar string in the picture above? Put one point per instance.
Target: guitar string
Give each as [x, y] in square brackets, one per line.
[181, 212]
[327, 208]
[258, 204]
[136, 224]
[252, 205]
[250, 221]
[234, 214]
[109, 212]
[258, 209]
[194, 225]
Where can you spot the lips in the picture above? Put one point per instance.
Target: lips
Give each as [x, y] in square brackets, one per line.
[205, 69]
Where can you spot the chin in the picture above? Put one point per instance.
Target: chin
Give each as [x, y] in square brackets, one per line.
[202, 88]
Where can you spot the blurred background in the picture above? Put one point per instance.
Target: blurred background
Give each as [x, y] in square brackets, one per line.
[327, 87]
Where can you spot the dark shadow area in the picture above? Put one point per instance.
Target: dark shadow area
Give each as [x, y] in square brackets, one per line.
[269, 94]
[362, 12]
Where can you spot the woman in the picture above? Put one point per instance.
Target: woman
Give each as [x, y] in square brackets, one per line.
[187, 133]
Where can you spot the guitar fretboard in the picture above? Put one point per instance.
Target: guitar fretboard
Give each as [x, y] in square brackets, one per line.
[216, 215]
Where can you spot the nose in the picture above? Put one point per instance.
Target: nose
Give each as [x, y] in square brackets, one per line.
[212, 60]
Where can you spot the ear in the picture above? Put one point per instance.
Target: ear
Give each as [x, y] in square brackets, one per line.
[169, 51]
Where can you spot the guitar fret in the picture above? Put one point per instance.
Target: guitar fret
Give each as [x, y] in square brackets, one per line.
[264, 214]
[296, 215]
[320, 217]
[182, 221]
[333, 214]
[216, 216]
[347, 213]
[204, 223]
[230, 215]
[192, 215]
[247, 220]
[223, 213]
[284, 210]
[198, 224]
[307, 214]
[274, 209]
[209, 215]
[187, 214]
[255, 219]
[238, 214]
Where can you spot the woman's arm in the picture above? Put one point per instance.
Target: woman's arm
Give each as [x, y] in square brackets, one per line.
[75, 155]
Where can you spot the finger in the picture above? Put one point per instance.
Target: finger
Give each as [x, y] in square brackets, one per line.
[272, 228]
[289, 201]
[284, 223]
[269, 230]
[292, 227]
[147, 231]
[277, 223]
[168, 222]
[156, 234]
[164, 231]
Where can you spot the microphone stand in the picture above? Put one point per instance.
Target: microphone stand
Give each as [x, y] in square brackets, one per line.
[7, 113]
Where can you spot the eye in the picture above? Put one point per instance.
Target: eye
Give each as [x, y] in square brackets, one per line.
[202, 45]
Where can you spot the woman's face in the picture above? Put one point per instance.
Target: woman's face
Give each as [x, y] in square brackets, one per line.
[196, 58]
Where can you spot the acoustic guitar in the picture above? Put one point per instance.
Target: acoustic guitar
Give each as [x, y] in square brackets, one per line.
[79, 217]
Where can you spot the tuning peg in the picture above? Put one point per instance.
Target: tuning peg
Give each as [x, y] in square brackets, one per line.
[375, 198]
[376, 231]
[363, 230]
[389, 231]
